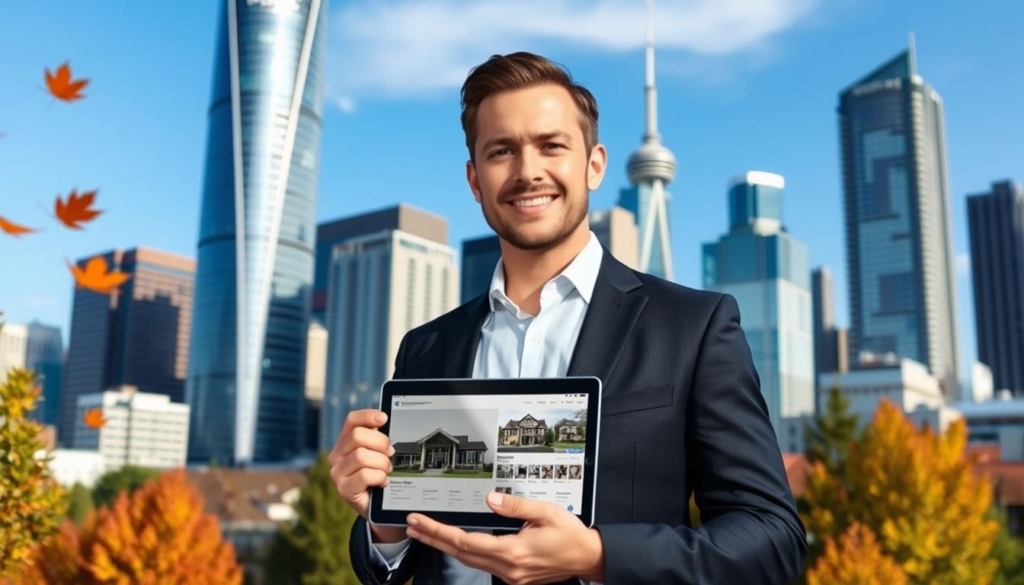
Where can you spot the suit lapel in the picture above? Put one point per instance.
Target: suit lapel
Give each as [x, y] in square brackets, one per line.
[612, 314]
[464, 338]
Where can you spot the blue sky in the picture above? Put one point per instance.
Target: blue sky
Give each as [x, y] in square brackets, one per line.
[743, 85]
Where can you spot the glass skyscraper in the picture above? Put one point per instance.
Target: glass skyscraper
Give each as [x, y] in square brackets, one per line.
[768, 273]
[257, 233]
[996, 221]
[479, 258]
[898, 231]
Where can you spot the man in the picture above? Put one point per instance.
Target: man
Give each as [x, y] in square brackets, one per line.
[682, 411]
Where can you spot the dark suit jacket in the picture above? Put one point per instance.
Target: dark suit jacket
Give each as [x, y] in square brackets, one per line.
[682, 412]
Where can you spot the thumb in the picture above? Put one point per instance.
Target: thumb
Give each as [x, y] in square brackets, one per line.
[517, 507]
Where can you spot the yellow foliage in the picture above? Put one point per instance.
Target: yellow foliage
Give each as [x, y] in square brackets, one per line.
[916, 492]
[856, 559]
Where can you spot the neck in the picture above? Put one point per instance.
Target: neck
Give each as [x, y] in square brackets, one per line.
[526, 271]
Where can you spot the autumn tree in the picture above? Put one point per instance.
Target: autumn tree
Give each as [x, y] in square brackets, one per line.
[917, 493]
[79, 500]
[159, 534]
[314, 550]
[831, 432]
[124, 479]
[855, 559]
[31, 502]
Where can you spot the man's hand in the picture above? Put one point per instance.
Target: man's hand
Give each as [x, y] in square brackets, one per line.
[362, 458]
[552, 546]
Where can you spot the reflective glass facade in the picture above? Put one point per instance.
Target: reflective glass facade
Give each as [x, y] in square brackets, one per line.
[768, 273]
[257, 233]
[479, 258]
[996, 221]
[898, 231]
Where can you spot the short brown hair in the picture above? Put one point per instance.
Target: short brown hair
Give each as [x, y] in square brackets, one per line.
[520, 71]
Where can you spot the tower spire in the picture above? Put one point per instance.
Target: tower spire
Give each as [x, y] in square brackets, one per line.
[650, 90]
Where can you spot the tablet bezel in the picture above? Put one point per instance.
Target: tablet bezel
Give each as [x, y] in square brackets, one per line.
[589, 385]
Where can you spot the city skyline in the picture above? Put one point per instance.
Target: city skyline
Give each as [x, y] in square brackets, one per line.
[716, 130]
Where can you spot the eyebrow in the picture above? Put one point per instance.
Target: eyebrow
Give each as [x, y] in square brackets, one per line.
[542, 137]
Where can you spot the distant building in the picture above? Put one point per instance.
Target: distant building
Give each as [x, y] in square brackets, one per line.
[142, 429]
[616, 229]
[137, 337]
[996, 223]
[830, 342]
[899, 234]
[479, 258]
[766, 269]
[381, 286]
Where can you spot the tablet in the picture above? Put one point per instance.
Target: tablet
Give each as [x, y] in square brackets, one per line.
[456, 440]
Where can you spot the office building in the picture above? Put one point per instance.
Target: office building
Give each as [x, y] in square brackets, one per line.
[616, 229]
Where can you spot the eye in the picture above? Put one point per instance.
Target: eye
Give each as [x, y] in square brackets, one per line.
[498, 152]
[555, 145]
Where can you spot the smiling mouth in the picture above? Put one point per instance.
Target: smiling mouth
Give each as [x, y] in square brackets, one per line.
[533, 201]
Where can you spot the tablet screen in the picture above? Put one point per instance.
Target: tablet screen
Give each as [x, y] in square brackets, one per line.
[451, 450]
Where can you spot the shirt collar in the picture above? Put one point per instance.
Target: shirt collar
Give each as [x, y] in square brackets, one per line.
[581, 273]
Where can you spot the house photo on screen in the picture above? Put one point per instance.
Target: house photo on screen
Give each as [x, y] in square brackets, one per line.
[453, 444]
[541, 430]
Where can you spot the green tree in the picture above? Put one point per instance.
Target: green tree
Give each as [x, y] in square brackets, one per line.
[79, 501]
[549, 437]
[1008, 551]
[126, 479]
[31, 502]
[833, 430]
[314, 550]
[581, 417]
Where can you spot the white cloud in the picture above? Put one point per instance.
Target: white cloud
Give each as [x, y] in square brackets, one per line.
[346, 104]
[405, 48]
[963, 264]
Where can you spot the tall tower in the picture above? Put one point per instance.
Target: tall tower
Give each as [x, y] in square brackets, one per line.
[767, 270]
[650, 169]
[257, 233]
[899, 236]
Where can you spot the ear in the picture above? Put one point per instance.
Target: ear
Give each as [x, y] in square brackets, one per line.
[473, 180]
[596, 166]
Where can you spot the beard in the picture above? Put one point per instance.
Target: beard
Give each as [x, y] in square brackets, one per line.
[525, 238]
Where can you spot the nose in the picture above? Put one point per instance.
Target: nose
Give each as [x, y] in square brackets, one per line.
[530, 167]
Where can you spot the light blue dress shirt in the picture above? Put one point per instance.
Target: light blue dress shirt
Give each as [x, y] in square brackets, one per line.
[515, 344]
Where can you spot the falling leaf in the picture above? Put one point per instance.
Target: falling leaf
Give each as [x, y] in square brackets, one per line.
[93, 418]
[77, 209]
[97, 277]
[61, 85]
[12, 229]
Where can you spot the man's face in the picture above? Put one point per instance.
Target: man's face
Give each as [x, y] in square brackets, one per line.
[533, 174]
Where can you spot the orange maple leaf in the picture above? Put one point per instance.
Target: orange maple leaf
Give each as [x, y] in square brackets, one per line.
[13, 229]
[77, 209]
[61, 85]
[93, 418]
[97, 277]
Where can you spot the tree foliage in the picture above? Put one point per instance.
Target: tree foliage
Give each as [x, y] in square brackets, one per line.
[32, 504]
[314, 550]
[855, 558]
[80, 503]
[917, 493]
[159, 534]
[833, 430]
[126, 479]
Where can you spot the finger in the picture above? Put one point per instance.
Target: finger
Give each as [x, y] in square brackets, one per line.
[476, 549]
[358, 482]
[360, 458]
[369, 418]
[522, 508]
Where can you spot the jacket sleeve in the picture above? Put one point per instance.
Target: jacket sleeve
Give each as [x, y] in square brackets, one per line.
[750, 531]
[368, 572]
